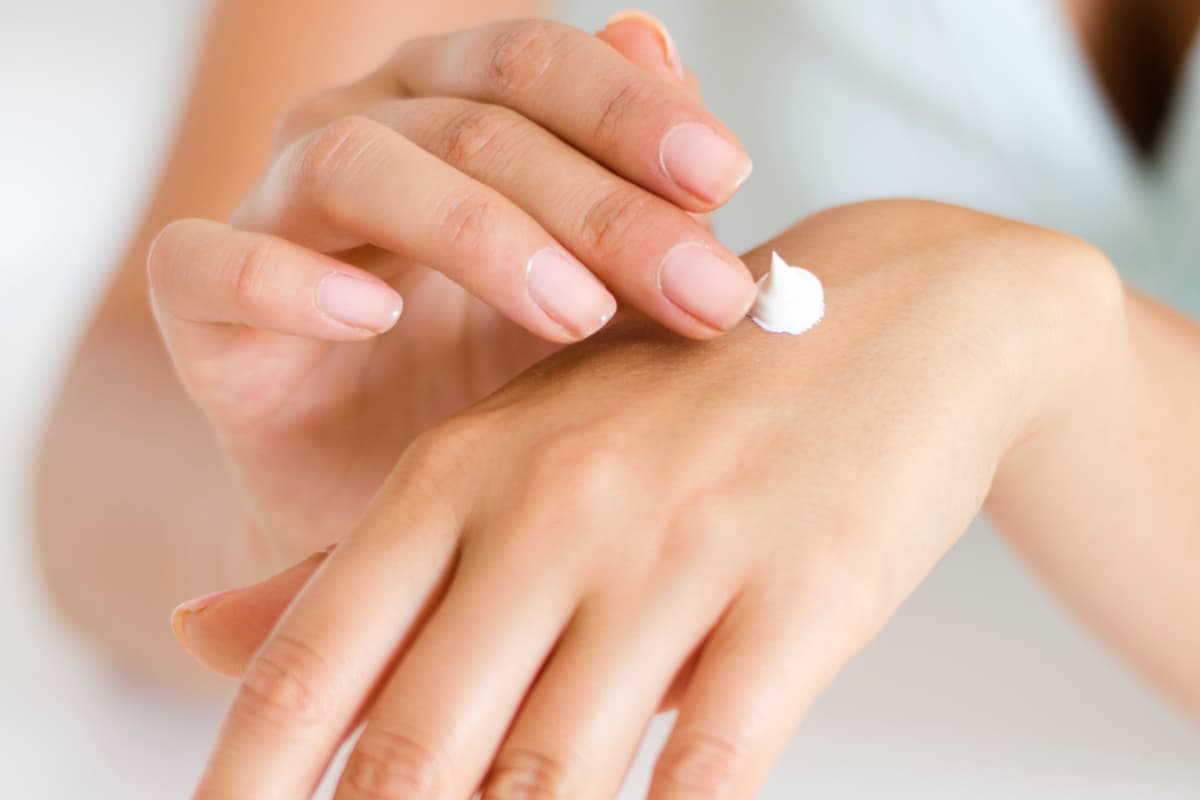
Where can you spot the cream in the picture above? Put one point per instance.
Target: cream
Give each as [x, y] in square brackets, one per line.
[790, 299]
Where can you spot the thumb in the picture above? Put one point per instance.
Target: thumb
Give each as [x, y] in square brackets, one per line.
[644, 40]
[224, 630]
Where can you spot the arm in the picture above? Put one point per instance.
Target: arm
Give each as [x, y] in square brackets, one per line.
[642, 520]
[136, 505]
[1104, 500]
[721, 524]
[1100, 498]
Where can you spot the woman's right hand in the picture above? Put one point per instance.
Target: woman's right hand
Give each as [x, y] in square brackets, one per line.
[476, 174]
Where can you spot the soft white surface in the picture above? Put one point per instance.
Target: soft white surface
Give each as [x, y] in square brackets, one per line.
[980, 688]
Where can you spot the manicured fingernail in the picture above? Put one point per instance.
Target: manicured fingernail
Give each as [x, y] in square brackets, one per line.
[184, 612]
[705, 285]
[702, 162]
[568, 293]
[655, 26]
[359, 303]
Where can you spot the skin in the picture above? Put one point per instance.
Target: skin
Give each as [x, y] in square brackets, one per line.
[1025, 446]
[129, 465]
[322, 404]
[768, 533]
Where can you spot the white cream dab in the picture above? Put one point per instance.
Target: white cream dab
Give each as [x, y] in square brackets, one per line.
[790, 299]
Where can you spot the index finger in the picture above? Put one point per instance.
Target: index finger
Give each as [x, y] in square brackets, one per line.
[647, 129]
[302, 693]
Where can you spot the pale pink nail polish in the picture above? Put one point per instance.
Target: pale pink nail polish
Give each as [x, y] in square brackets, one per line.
[359, 303]
[568, 293]
[702, 162]
[705, 285]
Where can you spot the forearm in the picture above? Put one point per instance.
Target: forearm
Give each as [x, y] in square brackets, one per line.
[137, 509]
[1095, 481]
[1102, 498]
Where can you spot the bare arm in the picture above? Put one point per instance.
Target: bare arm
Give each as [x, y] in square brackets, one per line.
[1100, 495]
[136, 506]
[1105, 501]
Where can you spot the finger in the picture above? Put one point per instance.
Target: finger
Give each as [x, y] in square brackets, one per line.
[303, 692]
[205, 272]
[647, 129]
[358, 182]
[435, 726]
[644, 40]
[649, 252]
[583, 721]
[754, 679]
[224, 630]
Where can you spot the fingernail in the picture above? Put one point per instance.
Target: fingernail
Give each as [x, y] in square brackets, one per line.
[568, 293]
[184, 612]
[704, 163]
[654, 25]
[359, 303]
[705, 285]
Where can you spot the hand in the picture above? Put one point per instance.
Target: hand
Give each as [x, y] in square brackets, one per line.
[490, 156]
[734, 518]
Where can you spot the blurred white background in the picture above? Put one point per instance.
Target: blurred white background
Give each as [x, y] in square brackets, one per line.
[981, 687]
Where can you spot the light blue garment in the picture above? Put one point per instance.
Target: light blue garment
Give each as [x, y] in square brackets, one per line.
[989, 104]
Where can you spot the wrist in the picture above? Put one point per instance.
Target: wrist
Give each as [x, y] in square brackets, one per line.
[1017, 327]
[1076, 355]
[1026, 324]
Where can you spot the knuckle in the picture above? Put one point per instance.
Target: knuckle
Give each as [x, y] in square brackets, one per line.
[524, 774]
[248, 276]
[165, 248]
[699, 526]
[448, 449]
[477, 133]
[586, 466]
[614, 219]
[842, 534]
[848, 589]
[618, 108]
[522, 53]
[839, 591]
[466, 220]
[388, 765]
[701, 764]
[846, 523]
[329, 156]
[287, 684]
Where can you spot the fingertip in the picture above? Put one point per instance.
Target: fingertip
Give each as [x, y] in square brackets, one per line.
[707, 287]
[183, 612]
[709, 165]
[179, 619]
[192, 636]
[644, 39]
[367, 306]
[572, 299]
[224, 630]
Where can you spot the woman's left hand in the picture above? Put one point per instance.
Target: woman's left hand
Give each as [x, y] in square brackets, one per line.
[642, 518]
